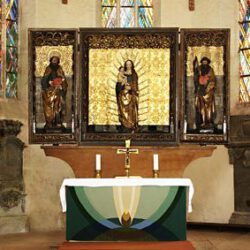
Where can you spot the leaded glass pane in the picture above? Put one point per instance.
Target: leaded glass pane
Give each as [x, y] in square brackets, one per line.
[243, 94]
[244, 89]
[11, 60]
[127, 17]
[11, 9]
[11, 48]
[11, 33]
[244, 35]
[108, 2]
[108, 17]
[11, 85]
[145, 17]
[244, 62]
[247, 84]
[1, 87]
[0, 11]
[127, 2]
[144, 2]
[244, 10]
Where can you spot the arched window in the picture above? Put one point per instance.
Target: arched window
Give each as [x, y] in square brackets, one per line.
[8, 48]
[127, 13]
[244, 51]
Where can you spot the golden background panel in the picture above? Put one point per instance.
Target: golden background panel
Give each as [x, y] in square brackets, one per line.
[153, 69]
[43, 54]
[215, 54]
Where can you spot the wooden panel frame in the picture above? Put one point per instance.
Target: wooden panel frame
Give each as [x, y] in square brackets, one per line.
[51, 37]
[205, 37]
[131, 38]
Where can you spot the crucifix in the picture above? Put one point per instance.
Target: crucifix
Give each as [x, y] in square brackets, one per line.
[191, 4]
[127, 151]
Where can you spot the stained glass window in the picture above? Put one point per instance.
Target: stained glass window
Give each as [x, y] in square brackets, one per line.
[108, 13]
[127, 13]
[1, 85]
[9, 43]
[244, 51]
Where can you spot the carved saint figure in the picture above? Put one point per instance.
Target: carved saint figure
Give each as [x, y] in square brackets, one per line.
[54, 89]
[205, 83]
[127, 96]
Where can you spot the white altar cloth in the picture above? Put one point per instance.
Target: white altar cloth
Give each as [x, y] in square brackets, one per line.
[126, 182]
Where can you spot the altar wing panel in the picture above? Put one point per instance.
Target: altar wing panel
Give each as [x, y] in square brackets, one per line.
[52, 85]
[205, 85]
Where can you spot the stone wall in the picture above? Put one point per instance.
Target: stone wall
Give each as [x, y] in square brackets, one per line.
[12, 192]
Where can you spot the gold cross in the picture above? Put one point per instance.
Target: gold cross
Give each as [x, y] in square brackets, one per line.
[191, 5]
[127, 151]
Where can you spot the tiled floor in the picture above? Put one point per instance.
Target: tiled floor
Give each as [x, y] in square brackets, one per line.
[201, 240]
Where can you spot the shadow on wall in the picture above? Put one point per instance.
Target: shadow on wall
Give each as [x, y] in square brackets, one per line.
[43, 177]
[213, 181]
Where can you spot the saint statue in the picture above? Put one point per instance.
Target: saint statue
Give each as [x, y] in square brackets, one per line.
[205, 83]
[127, 96]
[54, 89]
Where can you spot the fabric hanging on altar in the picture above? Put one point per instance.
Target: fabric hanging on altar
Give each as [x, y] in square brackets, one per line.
[130, 209]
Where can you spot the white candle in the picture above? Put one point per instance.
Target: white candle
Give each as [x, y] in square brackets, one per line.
[225, 125]
[98, 162]
[185, 126]
[156, 162]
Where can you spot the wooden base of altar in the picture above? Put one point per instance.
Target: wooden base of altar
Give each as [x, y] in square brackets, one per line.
[172, 160]
[176, 245]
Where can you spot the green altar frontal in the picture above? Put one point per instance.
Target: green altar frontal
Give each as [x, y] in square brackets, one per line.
[139, 213]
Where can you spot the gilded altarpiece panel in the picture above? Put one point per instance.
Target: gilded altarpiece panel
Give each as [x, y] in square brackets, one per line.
[205, 85]
[52, 92]
[128, 85]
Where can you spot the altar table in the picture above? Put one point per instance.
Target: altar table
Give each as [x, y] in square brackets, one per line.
[126, 209]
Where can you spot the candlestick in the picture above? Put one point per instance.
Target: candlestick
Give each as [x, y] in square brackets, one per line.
[98, 162]
[98, 174]
[155, 173]
[156, 163]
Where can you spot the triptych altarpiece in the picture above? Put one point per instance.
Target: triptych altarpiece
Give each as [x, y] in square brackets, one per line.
[159, 86]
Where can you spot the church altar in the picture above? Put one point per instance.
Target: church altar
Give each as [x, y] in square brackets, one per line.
[126, 209]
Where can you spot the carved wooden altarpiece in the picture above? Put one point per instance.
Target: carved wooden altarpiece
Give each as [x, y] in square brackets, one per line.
[104, 104]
